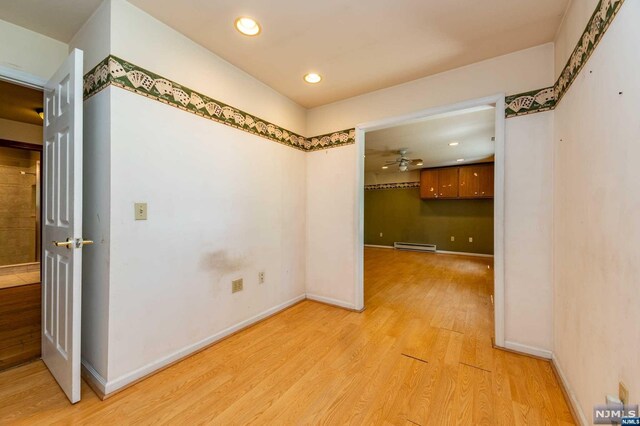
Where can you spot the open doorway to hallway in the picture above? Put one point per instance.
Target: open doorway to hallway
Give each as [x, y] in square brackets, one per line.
[429, 189]
[20, 213]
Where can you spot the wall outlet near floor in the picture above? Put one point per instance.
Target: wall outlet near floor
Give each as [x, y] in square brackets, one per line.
[453, 238]
[381, 234]
[470, 239]
[623, 393]
[261, 277]
[236, 285]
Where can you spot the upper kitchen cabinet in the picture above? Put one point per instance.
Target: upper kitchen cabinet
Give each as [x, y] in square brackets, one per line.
[472, 181]
[448, 182]
[429, 183]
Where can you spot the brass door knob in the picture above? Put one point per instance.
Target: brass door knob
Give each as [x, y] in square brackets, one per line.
[82, 242]
[67, 244]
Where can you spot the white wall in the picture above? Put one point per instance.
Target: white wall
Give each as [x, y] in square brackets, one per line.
[371, 178]
[529, 232]
[332, 188]
[597, 200]
[573, 24]
[20, 132]
[517, 72]
[223, 204]
[147, 42]
[94, 37]
[96, 224]
[29, 52]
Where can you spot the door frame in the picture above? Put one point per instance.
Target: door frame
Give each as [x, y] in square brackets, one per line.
[499, 197]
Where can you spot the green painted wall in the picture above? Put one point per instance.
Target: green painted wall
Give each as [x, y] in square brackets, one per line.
[400, 215]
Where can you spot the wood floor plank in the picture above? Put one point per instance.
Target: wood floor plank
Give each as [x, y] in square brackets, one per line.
[420, 354]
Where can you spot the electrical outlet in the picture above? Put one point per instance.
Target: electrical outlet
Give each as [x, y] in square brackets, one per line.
[470, 239]
[236, 285]
[453, 238]
[381, 234]
[261, 277]
[140, 210]
[623, 393]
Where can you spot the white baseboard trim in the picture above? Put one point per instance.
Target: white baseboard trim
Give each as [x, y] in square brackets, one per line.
[526, 349]
[126, 379]
[575, 406]
[93, 376]
[331, 301]
[463, 253]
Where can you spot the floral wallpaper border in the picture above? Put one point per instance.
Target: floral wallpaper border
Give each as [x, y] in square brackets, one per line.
[546, 99]
[118, 72]
[397, 185]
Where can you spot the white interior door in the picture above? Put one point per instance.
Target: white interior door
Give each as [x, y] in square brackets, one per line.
[62, 225]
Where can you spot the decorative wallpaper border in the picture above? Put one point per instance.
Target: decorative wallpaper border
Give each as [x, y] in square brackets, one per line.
[397, 185]
[530, 102]
[546, 99]
[118, 72]
[600, 21]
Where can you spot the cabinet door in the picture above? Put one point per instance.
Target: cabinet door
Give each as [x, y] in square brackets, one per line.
[485, 186]
[469, 182]
[429, 183]
[448, 182]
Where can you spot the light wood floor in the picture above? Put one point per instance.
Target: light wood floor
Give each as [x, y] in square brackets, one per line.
[419, 354]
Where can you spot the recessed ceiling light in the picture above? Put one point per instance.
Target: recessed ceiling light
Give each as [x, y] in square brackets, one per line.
[385, 167]
[419, 164]
[454, 143]
[247, 26]
[312, 78]
[460, 160]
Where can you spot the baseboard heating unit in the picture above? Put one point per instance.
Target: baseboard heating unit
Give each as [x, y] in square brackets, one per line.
[415, 247]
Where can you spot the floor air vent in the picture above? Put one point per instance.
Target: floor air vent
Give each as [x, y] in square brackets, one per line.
[415, 246]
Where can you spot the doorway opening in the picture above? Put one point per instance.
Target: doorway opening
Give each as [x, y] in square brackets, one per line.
[434, 178]
[20, 223]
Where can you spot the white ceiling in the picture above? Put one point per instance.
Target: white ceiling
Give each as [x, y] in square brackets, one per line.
[357, 46]
[429, 140]
[58, 19]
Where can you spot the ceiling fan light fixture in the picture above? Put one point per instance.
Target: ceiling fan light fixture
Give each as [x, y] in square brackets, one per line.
[247, 26]
[403, 167]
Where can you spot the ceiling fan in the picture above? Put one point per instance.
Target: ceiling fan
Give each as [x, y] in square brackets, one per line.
[403, 162]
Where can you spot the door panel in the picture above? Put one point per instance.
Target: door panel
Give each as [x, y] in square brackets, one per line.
[62, 225]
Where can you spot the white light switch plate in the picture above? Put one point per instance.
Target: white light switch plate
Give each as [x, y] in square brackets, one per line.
[140, 211]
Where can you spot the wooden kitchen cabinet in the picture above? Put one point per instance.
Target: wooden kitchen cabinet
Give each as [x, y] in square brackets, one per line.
[472, 181]
[485, 189]
[429, 183]
[448, 182]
